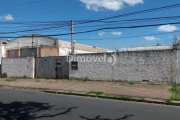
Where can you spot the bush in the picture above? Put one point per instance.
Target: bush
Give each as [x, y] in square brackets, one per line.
[86, 78]
[175, 92]
[131, 83]
[4, 75]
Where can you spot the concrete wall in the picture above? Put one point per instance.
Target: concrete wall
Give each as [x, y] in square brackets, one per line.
[19, 67]
[155, 66]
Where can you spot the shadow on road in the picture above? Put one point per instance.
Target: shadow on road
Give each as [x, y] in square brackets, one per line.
[98, 117]
[29, 110]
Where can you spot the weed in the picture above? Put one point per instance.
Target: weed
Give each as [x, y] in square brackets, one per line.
[131, 83]
[127, 98]
[95, 93]
[43, 90]
[37, 81]
[152, 84]
[63, 80]
[72, 78]
[11, 79]
[4, 75]
[86, 78]
[24, 77]
[175, 92]
[168, 101]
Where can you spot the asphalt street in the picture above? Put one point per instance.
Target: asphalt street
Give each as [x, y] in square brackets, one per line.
[24, 105]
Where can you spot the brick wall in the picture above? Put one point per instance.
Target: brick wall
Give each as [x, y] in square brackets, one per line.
[47, 51]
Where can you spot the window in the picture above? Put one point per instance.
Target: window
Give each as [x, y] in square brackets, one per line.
[74, 65]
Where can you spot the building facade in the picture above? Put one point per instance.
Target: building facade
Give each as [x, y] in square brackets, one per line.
[42, 46]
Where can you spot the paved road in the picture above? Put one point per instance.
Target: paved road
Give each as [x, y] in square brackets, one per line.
[23, 105]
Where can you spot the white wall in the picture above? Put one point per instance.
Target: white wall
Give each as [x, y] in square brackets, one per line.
[155, 66]
[19, 67]
[1, 53]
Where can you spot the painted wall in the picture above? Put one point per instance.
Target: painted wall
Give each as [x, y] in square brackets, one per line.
[65, 48]
[19, 67]
[154, 66]
[1, 53]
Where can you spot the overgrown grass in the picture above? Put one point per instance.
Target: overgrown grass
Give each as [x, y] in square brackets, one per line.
[95, 93]
[175, 90]
[11, 79]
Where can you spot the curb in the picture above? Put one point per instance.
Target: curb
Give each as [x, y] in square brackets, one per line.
[123, 98]
[103, 96]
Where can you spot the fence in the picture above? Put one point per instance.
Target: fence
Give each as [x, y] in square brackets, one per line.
[157, 66]
[18, 67]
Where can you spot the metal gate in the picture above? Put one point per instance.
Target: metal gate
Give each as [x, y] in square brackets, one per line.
[58, 69]
[52, 68]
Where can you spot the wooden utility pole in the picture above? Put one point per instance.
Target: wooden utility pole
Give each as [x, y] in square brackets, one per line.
[32, 45]
[72, 38]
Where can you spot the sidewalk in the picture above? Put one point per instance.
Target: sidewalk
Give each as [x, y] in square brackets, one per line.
[110, 88]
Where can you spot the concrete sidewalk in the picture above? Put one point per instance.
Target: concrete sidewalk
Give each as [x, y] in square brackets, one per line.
[111, 88]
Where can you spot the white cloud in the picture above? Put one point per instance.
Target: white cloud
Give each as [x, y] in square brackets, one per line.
[6, 17]
[116, 33]
[151, 38]
[101, 33]
[133, 2]
[114, 5]
[167, 28]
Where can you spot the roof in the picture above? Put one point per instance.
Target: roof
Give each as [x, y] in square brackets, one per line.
[37, 35]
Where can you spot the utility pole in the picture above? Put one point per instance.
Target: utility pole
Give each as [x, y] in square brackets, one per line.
[32, 45]
[72, 38]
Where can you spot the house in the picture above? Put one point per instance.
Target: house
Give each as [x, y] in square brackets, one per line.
[43, 46]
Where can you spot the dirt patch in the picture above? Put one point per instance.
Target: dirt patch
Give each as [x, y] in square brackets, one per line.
[113, 88]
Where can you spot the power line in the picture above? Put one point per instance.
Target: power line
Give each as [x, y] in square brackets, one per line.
[23, 4]
[134, 13]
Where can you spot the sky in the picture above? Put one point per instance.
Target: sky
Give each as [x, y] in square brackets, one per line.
[52, 17]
